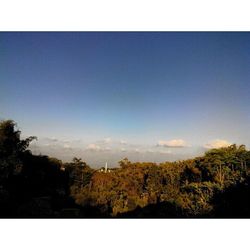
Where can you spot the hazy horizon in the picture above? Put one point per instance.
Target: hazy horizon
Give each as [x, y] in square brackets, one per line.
[148, 96]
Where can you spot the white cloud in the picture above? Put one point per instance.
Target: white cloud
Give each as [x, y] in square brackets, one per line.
[100, 145]
[123, 142]
[177, 143]
[107, 140]
[137, 150]
[217, 144]
[93, 147]
[104, 141]
[66, 146]
[107, 149]
[123, 149]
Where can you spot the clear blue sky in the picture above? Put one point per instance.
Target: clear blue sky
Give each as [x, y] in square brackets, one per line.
[94, 94]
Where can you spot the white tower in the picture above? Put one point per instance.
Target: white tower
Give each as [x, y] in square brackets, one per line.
[106, 167]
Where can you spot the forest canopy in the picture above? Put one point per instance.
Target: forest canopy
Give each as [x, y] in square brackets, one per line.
[213, 185]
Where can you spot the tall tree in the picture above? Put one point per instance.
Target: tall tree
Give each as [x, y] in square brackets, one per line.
[11, 148]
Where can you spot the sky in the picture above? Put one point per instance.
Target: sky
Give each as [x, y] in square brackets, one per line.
[148, 96]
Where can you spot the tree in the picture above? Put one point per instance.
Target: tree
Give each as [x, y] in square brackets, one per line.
[11, 148]
[124, 162]
[79, 173]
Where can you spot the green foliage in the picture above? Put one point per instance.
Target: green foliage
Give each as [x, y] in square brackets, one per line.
[79, 174]
[11, 149]
[189, 185]
[214, 185]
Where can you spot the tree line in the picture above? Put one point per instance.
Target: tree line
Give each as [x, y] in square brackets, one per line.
[215, 185]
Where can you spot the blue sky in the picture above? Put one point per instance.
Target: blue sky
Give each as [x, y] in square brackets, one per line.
[148, 96]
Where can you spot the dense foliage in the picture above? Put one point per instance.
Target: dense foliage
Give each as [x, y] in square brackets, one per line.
[214, 185]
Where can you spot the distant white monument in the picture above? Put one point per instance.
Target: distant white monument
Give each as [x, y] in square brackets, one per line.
[106, 167]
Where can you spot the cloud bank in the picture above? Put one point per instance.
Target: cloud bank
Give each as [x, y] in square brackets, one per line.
[176, 143]
[217, 144]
